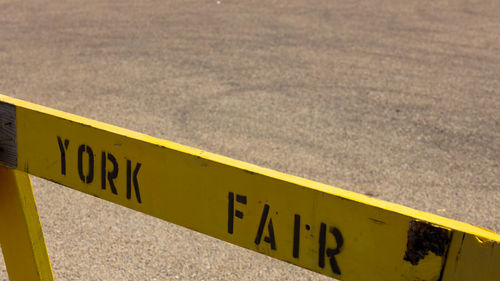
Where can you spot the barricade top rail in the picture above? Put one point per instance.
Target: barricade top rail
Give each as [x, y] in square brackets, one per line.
[326, 229]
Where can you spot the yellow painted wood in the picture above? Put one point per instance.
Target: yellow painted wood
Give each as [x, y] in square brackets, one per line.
[472, 258]
[21, 235]
[322, 228]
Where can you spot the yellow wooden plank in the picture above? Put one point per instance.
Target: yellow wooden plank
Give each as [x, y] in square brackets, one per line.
[472, 258]
[325, 229]
[21, 235]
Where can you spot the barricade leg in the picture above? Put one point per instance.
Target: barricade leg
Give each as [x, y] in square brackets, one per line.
[21, 235]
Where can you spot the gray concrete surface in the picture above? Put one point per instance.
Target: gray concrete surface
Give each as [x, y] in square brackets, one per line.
[395, 99]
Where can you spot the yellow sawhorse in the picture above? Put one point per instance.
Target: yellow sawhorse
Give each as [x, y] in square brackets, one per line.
[329, 230]
[21, 235]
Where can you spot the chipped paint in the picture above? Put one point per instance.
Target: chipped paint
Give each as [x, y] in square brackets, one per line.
[423, 238]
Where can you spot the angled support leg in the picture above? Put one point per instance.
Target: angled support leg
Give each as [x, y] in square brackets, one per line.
[21, 236]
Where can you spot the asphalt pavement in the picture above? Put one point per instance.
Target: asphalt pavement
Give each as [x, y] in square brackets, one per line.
[399, 100]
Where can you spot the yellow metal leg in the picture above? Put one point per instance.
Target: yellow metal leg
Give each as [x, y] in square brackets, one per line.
[21, 235]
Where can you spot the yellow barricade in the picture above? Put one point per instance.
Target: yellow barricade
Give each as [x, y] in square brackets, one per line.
[326, 229]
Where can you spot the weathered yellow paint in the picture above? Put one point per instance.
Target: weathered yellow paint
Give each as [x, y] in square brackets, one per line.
[329, 230]
[21, 235]
[472, 258]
